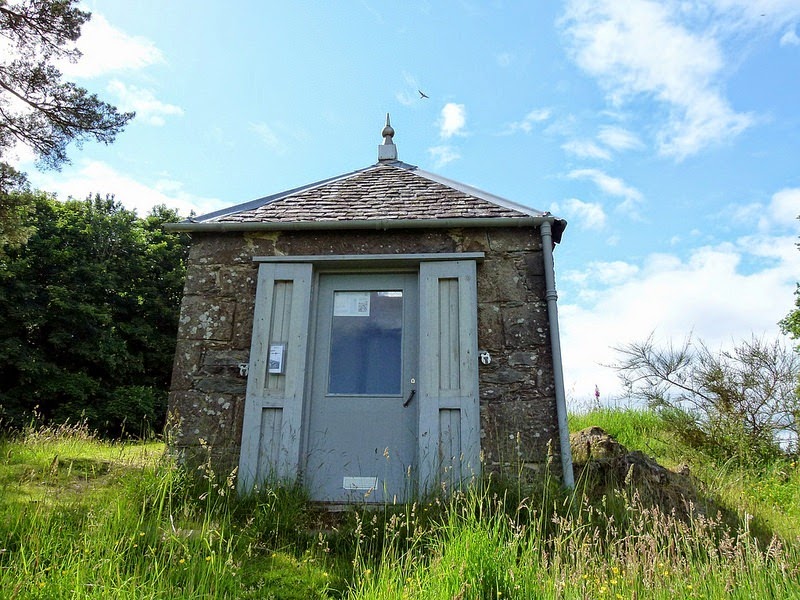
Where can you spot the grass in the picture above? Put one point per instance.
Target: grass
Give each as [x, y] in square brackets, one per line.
[84, 518]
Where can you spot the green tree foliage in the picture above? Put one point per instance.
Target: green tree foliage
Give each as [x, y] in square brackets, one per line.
[37, 108]
[16, 207]
[90, 308]
[791, 324]
[738, 403]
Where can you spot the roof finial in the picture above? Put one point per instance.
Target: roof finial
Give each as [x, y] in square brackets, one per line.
[387, 150]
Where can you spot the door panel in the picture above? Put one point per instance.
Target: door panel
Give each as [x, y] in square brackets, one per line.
[449, 436]
[274, 401]
[362, 433]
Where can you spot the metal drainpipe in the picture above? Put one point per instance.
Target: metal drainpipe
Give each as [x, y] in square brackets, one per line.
[555, 345]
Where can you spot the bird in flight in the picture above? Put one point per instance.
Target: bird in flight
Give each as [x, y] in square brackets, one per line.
[422, 94]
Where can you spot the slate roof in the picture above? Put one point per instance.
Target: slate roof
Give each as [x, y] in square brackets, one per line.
[386, 191]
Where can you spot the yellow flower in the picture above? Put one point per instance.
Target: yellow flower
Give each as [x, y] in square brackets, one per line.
[615, 570]
[208, 558]
[181, 561]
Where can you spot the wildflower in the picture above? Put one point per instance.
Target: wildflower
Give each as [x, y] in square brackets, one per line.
[141, 533]
[615, 570]
[181, 561]
[208, 558]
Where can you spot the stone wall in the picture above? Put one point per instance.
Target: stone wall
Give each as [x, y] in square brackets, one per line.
[518, 416]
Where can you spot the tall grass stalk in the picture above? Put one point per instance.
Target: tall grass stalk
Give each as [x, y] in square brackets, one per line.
[143, 532]
[619, 548]
[81, 518]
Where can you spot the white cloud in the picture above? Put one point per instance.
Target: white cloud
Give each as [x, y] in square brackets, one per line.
[537, 115]
[586, 149]
[601, 273]
[443, 155]
[89, 177]
[107, 49]
[790, 38]
[452, 121]
[780, 214]
[784, 208]
[279, 136]
[590, 215]
[618, 138]
[268, 136]
[751, 15]
[147, 107]
[707, 295]
[504, 59]
[410, 95]
[642, 47]
[610, 185]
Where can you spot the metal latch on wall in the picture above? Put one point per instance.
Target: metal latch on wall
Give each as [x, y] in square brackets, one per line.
[485, 357]
[244, 369]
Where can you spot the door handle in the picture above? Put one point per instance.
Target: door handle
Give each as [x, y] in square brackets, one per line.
[410, 398]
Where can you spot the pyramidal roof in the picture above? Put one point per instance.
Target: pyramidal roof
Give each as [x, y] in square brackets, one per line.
[388, 194]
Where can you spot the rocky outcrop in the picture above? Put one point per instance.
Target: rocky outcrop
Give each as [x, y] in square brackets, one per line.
[603, 465]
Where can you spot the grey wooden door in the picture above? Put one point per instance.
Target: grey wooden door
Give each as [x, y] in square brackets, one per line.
[361, 442]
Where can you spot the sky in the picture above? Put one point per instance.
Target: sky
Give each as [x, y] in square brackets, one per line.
[667, 134]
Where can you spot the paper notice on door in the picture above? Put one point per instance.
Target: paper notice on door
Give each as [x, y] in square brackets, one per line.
[276, 354]
[351, 304]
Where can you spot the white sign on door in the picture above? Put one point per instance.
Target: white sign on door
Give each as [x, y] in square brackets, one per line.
[351, 304]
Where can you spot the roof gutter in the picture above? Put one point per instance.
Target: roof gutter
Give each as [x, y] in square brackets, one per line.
[557, 226]
[555, 346]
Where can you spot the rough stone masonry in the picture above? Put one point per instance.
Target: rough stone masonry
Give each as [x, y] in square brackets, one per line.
[517, 397]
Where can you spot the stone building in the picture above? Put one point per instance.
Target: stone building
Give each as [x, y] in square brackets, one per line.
[377, 334]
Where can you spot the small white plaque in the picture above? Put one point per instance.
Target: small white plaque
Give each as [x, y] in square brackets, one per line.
[277, 352]
[351, 304]
[359, 483]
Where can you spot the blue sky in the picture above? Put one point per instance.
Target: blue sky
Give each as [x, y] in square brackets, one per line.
[667, 134]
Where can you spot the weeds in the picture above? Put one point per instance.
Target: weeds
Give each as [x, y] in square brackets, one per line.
[82, 518]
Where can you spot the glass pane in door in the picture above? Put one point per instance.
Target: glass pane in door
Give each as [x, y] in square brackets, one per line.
[366, 343]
